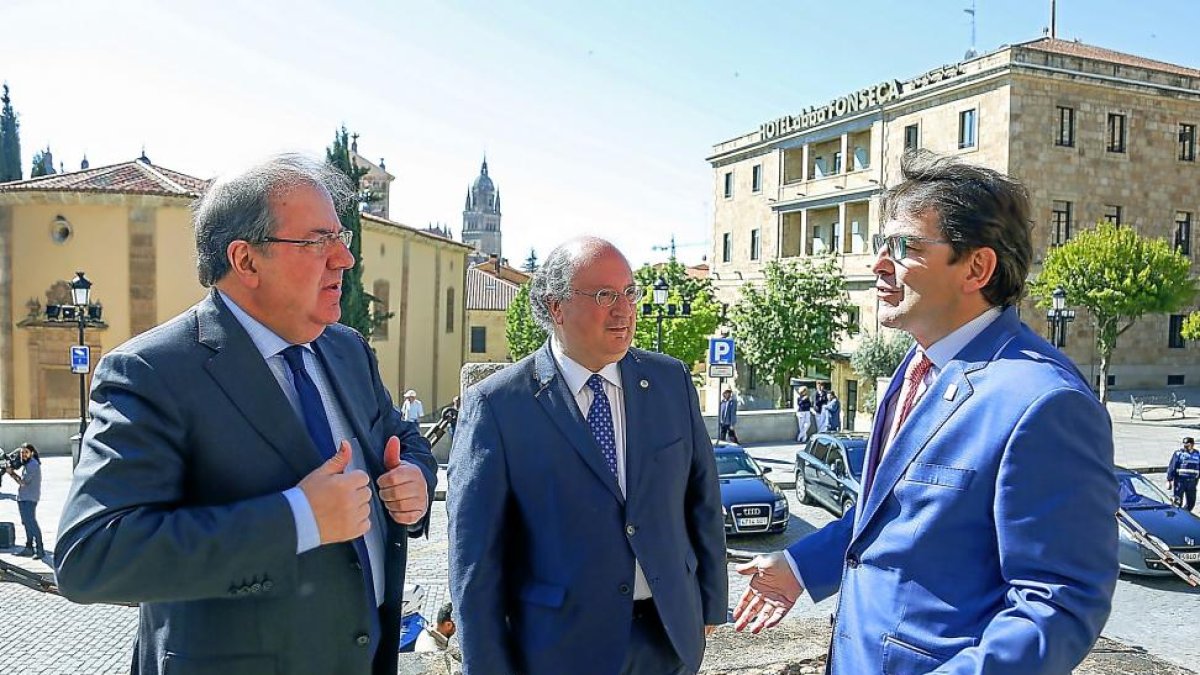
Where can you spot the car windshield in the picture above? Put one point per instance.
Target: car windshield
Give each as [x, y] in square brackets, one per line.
[1139, 493]
[736, 465]
[856, 454]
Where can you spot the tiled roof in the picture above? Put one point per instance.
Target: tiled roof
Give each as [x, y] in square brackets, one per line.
[1071, 48]
[485, 291]
[505, 272]
[136, 177]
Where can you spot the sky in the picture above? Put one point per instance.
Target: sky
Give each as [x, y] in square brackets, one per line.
[595, 117]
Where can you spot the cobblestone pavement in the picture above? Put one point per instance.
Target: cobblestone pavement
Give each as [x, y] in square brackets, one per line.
[1159, 615]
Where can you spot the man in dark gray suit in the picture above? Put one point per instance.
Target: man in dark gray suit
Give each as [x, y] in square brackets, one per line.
[225, 482]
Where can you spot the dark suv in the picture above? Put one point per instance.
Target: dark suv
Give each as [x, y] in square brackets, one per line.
[829, 470]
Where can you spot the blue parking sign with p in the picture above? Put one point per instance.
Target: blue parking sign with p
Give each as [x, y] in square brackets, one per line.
[80, 358]
[720, 351]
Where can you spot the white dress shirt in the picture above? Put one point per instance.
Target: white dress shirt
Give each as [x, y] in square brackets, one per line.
[576, 377]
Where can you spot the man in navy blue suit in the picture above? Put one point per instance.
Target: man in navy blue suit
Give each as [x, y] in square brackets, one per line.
[586, 533]
[968, 551]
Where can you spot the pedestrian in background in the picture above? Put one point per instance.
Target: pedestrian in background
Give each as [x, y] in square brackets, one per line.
[412, 410]
[727, 417]
[833, 413]
[805, 421]
[436, 638]
[1183, 473]
[819, 402]
[29, 492]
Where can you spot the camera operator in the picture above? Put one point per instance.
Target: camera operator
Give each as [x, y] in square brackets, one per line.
[11, 460]
[28, 494]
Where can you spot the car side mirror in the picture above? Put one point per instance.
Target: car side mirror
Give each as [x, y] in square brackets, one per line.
[839, 469]
[766, 469]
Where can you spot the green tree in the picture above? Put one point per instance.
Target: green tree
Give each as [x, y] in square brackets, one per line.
[356, 305]
[531, 263]
[684, 338]
[878, 356]
[10, 140]
[1119, 276]
[1191, 327]
[794, 321]
[523, 333]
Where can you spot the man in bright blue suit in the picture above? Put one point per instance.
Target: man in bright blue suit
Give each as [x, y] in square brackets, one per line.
[586, 533]
[985, 540]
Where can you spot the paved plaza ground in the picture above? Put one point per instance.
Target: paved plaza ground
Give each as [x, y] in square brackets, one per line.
[1154, 622]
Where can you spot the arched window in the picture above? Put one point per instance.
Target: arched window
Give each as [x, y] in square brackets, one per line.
[449, 310]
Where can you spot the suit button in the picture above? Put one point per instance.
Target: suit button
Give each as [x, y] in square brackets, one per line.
[362, 640]
[852, 561]
[255, 587]
[630, 530]
[268, 585]
[624, 588]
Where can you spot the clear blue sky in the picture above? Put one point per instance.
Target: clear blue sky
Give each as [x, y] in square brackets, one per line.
[595, 116]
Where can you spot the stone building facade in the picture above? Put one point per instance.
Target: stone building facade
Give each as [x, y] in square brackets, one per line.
[1095, 135]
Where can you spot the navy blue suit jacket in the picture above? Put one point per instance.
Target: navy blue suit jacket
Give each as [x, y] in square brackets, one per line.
[542, 542]
[987, 542]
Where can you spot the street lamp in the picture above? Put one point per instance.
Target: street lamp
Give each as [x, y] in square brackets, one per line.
[661, 291]
[1058, 316]
[81, 292]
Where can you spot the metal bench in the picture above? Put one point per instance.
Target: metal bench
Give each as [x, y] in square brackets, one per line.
[1152, 401]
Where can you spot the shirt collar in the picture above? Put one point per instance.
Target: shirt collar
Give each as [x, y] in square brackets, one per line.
[942, 351]
[265, 340]
[577, 375]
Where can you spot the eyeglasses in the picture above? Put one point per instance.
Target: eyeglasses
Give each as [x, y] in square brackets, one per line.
[321, 243]
[897, 244]
[607, 298]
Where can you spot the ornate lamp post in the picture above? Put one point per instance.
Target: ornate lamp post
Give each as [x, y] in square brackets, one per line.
[81, 292]
[1058, 316]
[661, 291]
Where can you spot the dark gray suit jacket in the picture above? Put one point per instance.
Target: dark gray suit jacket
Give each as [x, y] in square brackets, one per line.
[177, 504]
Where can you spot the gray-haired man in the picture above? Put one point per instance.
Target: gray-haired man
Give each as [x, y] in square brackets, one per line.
[225, 482]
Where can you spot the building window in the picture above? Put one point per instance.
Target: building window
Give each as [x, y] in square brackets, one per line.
[1187, 142]
[966, 129]
[1066, 127]
[728, 184]
[835, 239]
[449, 310]
[852, 319]
[478, 339]
[379, 308]
[727, 247]
[1183, 232]
[1060, 220]
[756, 178]
[1112, 213]
[755, 244]
[1175, 331]
[912, 137]
[1175, 380]
[1116, 132]
[837, 162]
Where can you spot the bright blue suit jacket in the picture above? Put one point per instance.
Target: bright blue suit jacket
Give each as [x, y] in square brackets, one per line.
[542, 542]
[987, 542]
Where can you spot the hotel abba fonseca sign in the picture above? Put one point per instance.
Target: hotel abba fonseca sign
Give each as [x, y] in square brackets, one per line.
[859, 101]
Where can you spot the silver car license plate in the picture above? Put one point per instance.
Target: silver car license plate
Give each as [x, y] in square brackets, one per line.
[1190, 556]
[753, 522]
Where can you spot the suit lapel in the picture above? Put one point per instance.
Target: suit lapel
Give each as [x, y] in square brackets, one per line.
[241, 372]
[636, 400]
[337, 372]
[951, 389]
[558, 401]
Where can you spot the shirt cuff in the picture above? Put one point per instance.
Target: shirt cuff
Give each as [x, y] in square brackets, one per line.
[787, 555]
[308, 536]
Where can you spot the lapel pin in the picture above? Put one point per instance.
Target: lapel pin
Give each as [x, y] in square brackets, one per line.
[644, 384]
[950, 392]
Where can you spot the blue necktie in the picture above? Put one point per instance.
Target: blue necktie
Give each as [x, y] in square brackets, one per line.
[317, 423]
[600, 420]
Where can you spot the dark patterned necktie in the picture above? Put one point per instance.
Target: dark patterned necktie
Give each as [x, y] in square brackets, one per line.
[600, 420]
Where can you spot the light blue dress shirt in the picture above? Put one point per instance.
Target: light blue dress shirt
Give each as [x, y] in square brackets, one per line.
[308, 537]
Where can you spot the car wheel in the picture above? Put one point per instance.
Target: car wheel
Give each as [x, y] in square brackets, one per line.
[847, 504]
[802, 489]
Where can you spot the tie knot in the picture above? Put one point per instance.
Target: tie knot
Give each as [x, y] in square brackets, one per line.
[596, 383]
[294, 356]
[919, 370]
